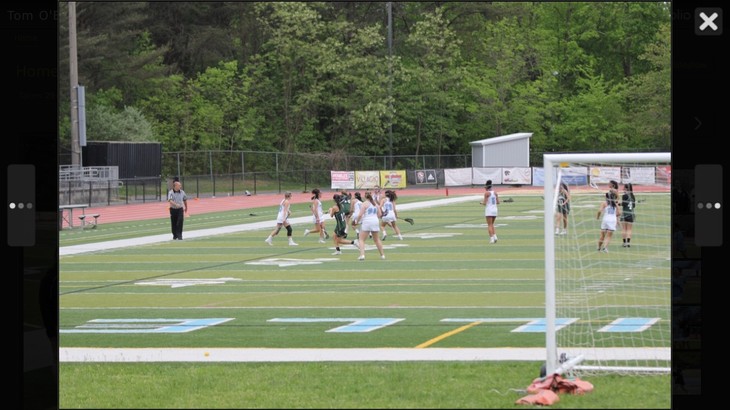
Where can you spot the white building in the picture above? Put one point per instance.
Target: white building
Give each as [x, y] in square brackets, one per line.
[511, 150]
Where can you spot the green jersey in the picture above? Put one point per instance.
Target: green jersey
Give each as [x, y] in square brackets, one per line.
[345, 204]
[340, 224]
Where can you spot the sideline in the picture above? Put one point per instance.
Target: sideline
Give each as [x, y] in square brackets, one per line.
[391, 354]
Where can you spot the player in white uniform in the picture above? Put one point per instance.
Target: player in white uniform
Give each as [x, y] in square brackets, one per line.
[317, 216]
[390, 214]
[369, 220]
[610, 211]
[356, 204]
[282, 219]
[377, 196]
[491, 200]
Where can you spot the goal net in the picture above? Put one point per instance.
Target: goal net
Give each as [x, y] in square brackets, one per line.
[608, 310]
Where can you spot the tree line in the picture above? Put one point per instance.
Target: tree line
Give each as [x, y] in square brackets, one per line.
[323, 77]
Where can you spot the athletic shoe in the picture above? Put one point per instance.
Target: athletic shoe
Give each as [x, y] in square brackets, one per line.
[321, 241]
[564, 232]
[604, 250]
[384, 236]
[361, 258]
[268, 240]
[400, 237]
[306, 232]
[382, 256]
[625, 245]
[292, 243]
[495, 239]
[491, 240]
[557, 231]
[628, 245]
[337, 253]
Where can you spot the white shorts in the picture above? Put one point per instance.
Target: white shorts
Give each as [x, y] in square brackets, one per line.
[609, 225]
[280, 218]
[370, 225]
[389, 218]
[490, 210]
[321, 219]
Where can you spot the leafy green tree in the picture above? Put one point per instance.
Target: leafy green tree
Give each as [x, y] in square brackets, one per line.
[198, 35]
[316, 77]
[648, 96]
[287, 78]
[104, 123]
[431, 96]
[592, 121]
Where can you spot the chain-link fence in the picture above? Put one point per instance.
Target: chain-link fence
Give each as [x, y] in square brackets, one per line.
[242, 162]
[230, 173]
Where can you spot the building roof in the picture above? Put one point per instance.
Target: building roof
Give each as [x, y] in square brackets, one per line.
[500, 139]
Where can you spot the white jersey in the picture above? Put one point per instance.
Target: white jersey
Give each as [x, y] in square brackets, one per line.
[490, 208]
[320, 213]
[376, 197]
[370, 221]
[356, 208]
[282, 215]
[608, 223]
[388, 211]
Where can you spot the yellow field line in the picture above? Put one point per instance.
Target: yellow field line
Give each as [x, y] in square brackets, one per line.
[447, 334]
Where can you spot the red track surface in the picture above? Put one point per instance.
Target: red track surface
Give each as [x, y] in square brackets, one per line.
[154, 210]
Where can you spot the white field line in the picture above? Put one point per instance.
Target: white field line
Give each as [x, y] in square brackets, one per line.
[146, 240]
[87, 355]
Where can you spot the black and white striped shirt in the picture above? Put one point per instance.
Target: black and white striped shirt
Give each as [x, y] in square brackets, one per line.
[177, 198]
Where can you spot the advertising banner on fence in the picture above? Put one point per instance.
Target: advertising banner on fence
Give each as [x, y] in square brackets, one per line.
[638, 175]
[457, 177]
[601, 175]
[367, 179]
[573, 176]
[425, 176]
[538, 176]
[342, 179]
[481, 175]
[393, 179]
[521, 176]
[664, 174]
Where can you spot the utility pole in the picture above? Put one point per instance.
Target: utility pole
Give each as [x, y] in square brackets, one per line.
[74, 83]
[389, 6]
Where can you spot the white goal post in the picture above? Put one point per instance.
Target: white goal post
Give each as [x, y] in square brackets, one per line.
[608, 279]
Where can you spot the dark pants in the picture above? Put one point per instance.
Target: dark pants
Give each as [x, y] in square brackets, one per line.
[176, 219]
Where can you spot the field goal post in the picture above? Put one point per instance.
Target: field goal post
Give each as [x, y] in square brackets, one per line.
[581, 239]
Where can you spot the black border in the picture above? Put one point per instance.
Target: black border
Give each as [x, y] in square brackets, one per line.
[697, 81]
[30, 68]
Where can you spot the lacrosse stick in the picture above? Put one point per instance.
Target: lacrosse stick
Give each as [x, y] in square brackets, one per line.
[409, 220]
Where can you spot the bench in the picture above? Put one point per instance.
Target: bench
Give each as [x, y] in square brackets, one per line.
[92, 224]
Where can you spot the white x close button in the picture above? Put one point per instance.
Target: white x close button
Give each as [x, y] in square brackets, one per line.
[708, 21]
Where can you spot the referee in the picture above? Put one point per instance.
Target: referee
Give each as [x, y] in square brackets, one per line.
[178, 207]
